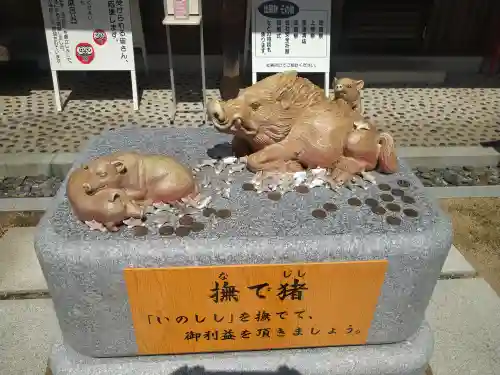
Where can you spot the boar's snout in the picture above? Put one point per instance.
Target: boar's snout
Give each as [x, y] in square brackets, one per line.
[227, 117]
[218, 116]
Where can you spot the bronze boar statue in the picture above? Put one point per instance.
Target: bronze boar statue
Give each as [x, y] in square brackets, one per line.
[349, 89]
[119, 186]
[285, 123]
[108, 207]
[149, 178]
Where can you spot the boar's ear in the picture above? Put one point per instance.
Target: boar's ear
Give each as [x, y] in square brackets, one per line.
[120, 167]
[360, 84]
[114, 196]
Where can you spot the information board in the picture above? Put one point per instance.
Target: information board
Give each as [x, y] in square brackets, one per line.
[89, 34]
[291, 35]
[252, 307]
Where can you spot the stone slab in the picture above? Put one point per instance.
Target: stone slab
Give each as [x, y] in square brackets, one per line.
[85, 269]
[457, 265]
[409, 357]
[25, 204]
[19, 267]
[28, 329]
[465, 319]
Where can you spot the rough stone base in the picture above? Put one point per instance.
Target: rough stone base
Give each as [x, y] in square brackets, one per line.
[409, 357]
[84, 270]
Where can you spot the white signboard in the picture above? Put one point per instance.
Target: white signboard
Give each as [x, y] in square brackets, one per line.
[89, 35]
[291, 35]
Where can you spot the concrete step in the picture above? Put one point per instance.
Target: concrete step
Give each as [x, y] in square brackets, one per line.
[19, 267]
[465, 318]
[20, 270]
[28, 329]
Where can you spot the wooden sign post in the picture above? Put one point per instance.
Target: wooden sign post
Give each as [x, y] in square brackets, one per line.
[252, 307]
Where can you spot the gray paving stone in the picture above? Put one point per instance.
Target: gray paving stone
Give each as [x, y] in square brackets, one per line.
[27, 331]
[457, 265]
[465, 318]
[19, 267]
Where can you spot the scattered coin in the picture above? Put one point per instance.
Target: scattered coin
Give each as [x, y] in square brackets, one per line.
[403, 183]
[330, 207]
[182, 231]
[387, 197]
[140, 231]
[393, 207]
[197, 226]
[166, 230]
[186, 220]
[393, 220]
[408, 199]
[371, 202]
[384, 187]
[302, 189]
[248, 186]
[207, 212]
[319, 214]
[354, 202]
[398, 192]
[223, 214]
[379, 210]
[274, 195]
[410, 212]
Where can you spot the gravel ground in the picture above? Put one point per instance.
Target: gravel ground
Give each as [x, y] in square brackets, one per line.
[43, 186]
[459, 176]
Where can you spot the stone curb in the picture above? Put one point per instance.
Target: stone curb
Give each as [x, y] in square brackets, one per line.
[58, 164]
[35, 164]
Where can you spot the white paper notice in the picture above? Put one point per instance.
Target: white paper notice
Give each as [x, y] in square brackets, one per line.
[291, 35]
[89, 34]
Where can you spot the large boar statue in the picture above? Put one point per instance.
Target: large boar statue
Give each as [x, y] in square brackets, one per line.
[285, 123]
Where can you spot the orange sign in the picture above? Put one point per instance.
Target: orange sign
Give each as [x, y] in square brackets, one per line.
[251, 307]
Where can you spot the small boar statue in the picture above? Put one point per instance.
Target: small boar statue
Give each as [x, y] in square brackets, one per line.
[118, 186]
[286, 123]
[108, 207]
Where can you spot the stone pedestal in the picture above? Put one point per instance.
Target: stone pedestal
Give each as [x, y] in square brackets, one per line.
[408, 357]
[392, 220]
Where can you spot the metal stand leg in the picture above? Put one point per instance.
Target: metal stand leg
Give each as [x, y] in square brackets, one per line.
[135, 96]
[57, 92]
[203, 76]
[254, 77]
[172, 83]
[327, 84]
[247, 34]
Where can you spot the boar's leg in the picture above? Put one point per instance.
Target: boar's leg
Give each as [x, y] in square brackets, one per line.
[345, 170]
[135, 194]
[273, 157]
[111, 227]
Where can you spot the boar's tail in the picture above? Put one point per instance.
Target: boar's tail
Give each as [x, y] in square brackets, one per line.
[387, 161]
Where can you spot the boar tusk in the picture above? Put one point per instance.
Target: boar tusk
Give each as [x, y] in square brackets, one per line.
[217, 114]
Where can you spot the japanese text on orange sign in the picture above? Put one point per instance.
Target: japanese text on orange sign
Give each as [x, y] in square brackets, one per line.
[203, 309]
